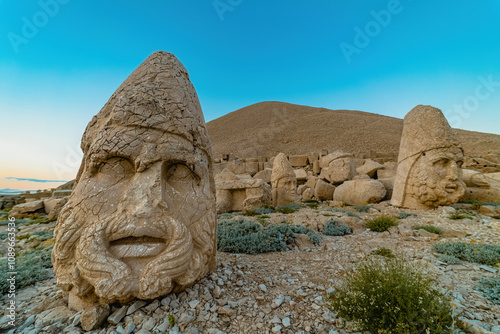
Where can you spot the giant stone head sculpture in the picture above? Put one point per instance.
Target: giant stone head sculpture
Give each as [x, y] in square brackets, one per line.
[429, 170]
[283, 181]
[141, 220]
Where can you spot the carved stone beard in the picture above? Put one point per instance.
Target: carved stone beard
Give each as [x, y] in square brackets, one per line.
[429, 189]
[98, 271]
[284, 191]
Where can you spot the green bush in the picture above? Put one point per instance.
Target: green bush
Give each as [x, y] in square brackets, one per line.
[44, 235]
[430, 229]
[311, 203]
[224, 216]
[478, 253]
[460, 215]
[381, 224]
[491, 289]
[449, 259]
[260, 211]
[262, 220]
[23, 236]
[288, 208]
[251, 213]
[332, 228]
[362, 208]
[243, 236]
[265, 210]
[404, 215]
[385, 252]
[31, 267]
[495, 204]
[391, 296]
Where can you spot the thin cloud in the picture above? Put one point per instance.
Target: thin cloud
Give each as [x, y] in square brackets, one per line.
[33, 180]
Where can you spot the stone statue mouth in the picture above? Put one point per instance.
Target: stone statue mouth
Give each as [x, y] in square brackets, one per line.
[137, 247]
[451, 187]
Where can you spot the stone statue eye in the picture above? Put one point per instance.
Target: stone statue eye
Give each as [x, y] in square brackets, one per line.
[441, 162]
[116, 166]
[179, 174]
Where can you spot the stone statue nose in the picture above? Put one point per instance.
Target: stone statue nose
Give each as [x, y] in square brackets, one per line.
[144, 195]
[453, 171]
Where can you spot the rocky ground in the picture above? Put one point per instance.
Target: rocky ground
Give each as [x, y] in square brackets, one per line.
[283, 292]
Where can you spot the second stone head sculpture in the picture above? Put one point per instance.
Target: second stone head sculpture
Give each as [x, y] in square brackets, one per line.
[283, 181]
[429, 170]
[141, 221]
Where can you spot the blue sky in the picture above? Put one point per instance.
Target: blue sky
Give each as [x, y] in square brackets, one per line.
[55, 76]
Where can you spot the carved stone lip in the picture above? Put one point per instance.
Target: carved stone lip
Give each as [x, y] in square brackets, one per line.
[137, 247]
[451, 187]
[133, 241]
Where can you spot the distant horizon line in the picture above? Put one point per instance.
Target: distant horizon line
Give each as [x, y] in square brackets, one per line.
[33, 180]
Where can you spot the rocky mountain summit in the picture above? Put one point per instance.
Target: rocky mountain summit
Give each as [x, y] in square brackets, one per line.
[268, 128]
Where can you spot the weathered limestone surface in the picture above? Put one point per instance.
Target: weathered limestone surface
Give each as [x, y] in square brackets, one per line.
[337, 167]
[264, 175]
[240, 194]
[283, 181]
[369, 168]
[141, 219]
[430, 158]
[475, 179]
[323, 191]
[360, 192]
[299, 160]
[20, 210]
[300, 174]
[482, 187]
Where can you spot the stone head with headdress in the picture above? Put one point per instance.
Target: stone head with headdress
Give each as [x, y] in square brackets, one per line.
[430, 158]
[141, 220]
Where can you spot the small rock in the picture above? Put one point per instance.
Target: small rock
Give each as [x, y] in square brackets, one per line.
[149, 323]
[214, 331]
[194, 303]
[481, 305]
[165, 301]
[276, 329]
[227, 311]
[118, 315]
[153, 306]
[491, 270]
[27, 323]
[57, 314]
[143, 331]
[216, 292]
[278, 301]
[286, 322]
[135, 306]
[185, 319]
[262, 287]
[162, 328]
[129, 328]
[93, 317]
[275, 320]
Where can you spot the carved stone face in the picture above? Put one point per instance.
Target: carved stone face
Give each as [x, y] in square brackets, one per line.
[436, 178]
[285, 190]
[141, 220]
